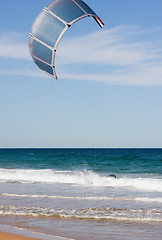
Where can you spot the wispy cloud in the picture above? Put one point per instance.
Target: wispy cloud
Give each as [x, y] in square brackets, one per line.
[114, 46]
[24, 72]
[119, 56]
[13, 45]
[142, 76]
[120, 52]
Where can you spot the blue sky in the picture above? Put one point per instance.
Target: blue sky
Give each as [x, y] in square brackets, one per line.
[109, 92]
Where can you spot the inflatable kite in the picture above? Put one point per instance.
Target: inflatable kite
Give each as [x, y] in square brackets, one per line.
[49, 27]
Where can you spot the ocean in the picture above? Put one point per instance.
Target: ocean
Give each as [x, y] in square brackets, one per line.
[68, 194]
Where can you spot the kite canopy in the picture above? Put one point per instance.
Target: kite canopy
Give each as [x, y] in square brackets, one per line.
[49, 27]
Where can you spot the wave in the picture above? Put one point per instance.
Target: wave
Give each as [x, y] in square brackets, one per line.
[107, 214]
[92, 198]
[87, 178]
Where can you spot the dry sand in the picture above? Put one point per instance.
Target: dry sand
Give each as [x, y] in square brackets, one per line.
[8, 236]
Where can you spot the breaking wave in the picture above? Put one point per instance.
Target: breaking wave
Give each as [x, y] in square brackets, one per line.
[87, 178]
[106, 214]
[89, 198]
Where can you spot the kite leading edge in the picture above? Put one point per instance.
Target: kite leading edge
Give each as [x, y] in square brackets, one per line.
[49, 27]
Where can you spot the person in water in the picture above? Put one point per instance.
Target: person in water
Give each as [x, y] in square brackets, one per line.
[112, 176]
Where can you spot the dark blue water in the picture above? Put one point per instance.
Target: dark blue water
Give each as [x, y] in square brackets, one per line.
[98, 160]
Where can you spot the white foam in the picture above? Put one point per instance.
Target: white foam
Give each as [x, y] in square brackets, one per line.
[92, 198]
[91, 213]
[147, 199]
[88, 178]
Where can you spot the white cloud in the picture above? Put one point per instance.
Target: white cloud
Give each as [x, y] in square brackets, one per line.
[123, 55]
[147, 76]
[120, 52]
[13, 45]
[110, 47]
[17, 51]
[24, 72]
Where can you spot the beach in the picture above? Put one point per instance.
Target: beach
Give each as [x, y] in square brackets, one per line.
[67, 194]
[8, 236]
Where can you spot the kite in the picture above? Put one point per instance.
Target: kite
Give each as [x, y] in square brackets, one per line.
[49, 27]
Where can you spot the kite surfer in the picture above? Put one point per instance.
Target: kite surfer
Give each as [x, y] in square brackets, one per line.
[112, 176]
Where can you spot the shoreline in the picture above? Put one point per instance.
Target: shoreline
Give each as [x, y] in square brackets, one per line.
[9, 232]
[10, 236]
[16, 236]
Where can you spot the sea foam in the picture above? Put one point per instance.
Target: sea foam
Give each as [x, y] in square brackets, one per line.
[87, 178]
[88, 198]
[91, 213]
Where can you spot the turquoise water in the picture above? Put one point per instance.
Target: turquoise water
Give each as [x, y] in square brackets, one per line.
[99, 160]
[68, 192]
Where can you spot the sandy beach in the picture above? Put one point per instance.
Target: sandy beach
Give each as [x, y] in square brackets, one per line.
[8, 236]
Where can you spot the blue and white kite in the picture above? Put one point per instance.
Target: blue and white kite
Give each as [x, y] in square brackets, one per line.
[49, 27]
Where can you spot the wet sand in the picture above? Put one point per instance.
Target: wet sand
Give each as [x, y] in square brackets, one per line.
[9, 236]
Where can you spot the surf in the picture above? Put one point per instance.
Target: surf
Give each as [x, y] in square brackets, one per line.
[104, 214]
[88, 198]
[81, 178]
